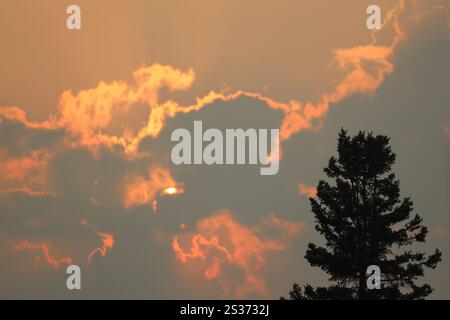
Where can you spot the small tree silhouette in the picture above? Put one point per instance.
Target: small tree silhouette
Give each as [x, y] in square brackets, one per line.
[365, 223]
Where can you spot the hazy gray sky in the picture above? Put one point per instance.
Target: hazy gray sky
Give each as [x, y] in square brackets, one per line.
[86, 176]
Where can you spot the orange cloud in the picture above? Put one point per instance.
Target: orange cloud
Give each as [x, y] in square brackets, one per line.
[220, 241]
[107, 240]
[447, 131]
[25, 174]
[87, 115]
[305, 191]
[291, 229]
[43, 251]
[17, 169]
[142, 191]
[16, 114]
[27, 192]
[107, 245]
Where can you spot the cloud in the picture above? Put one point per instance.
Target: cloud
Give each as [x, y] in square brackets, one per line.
[107, 245]
[290, 229]
[87, 115]
[305, 191]
[141, 190]
[24, 174]
[42, 251]
[88, 120]
[26, 191]
[16, 114]
[222, 242]
[447, 131]
[107, 240]
[89, 112]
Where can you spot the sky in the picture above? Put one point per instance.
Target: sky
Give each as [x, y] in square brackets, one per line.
[86, 118]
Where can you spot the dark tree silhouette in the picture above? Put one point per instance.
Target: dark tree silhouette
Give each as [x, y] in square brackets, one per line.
[364, 222]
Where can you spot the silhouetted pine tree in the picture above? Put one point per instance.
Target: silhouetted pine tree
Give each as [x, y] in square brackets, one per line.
[364, 222]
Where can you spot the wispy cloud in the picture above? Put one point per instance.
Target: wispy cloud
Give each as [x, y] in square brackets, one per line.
[107, 245]
[222, 242]
[447, 131]
[24, 174]
[306, 191]
[107, 240]
[42, 252]
[87, 115]
[219, 242]
[141, 190]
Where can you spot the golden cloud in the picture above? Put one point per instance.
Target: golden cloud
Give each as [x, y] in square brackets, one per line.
[87, 115]
[42, 251]
[107, 240]
[24, 174]
[220, 241]
[306, 191]
[107, 245]
[145, 190]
